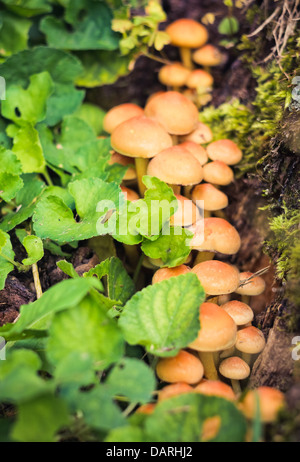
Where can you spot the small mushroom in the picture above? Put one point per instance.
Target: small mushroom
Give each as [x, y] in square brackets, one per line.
[217, 277]
[130, 194]
[187, 34]
[184, 367]
[167, 273]
[215, 388]
[250, 285]
[173, 75]
[187, 213]
[202, 134]
[240, 312]
[208, 56]
[235, 369]
[174, 389]
[117, 158]
[217, 173]
[217, 332]
[213, 199]
[118, 114]
[250, 341]
[265, 400]
[224, 150]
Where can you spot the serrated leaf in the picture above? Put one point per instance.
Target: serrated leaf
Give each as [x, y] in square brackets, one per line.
[89, 331]
[181, 419]
[171, 248]
[10, 171]
[132, 378]
[164, 317]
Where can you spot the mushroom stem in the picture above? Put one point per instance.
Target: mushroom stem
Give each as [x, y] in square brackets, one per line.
[246, 299]
[236, 386]
[141, 165]
[176, 188]
[174, 139]
[187, 191]
[247, 357]
[203, 256]
[132, 254]
[206, 214]
[220, 214]
[207, 359]
[186, 57]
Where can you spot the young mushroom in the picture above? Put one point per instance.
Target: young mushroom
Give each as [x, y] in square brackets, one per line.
[117, 158]
[184, 367]
[240, 312]
[266, 401]
[217, 277]
[177, 167]
[217, 332]
[250, 285]
[213, 199]
[187, 213]
[130, 194]
[187, 34]
[217, 173]
[174, 389]
[140, 138]
[173, 75]
[202, 134]
[235, 369]
[176, 113]
[208, 56]
[215, 388]
[167, 273]
[225, 151]
[250, 341]
[118, 114]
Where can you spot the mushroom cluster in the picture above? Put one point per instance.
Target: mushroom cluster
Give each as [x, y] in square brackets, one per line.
[166, 139]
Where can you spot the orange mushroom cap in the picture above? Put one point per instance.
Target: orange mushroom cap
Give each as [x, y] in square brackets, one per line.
[217, 277]
[270, 400]
[119, 114]
[167, 273]
[224, 150]
[184, 367]
[187, 33]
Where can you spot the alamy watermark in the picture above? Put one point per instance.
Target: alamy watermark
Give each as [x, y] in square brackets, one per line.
[2, 88]
[2, 349]
[296, 349]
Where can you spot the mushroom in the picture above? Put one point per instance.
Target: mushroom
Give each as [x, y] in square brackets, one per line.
[118, 115]
[167, 273]
[250, 341]
[147, 409]
[224, 150]
[208, 56]
[202, 134]
[200, 80]
[187, 34]
[215, 235]
[240, 312]
[200, 153]
[173, 75]
[215, 388]
[174, 389]
[265, 400]
[213, 199]
[217, 332]
[235, 369]
[186, 214]
[130, 194]
[217, 277]
[250, 285]
[217, 173]
[176, 113]
[141, 138]
[184, 367]
[177, 167]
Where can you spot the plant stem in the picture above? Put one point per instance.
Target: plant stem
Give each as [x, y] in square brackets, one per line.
[141, 165]
[129, 409]
[138, 268]
[186, 57]
[47, 177]
[37, 282]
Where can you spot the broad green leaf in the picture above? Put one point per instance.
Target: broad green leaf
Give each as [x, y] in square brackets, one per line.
[38, 315]
[91, 27]
[164, 317]
[13, 33]
[10, 171]
[93, 115]
[30, 104]
[119, 284]
[63, 69]
[101, 67]
[132, 378]
[39, 420]
[28, 8]
[93, 198]
[6, 256]
[172, 248]
[97, 407]
[89, 331]
[181, 419]
[76, 369]
[27, 147]
[67, 268]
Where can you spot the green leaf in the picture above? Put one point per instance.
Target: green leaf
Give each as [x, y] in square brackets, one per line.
[67, 268]
[34, 248]
[89, 330]
[38, 315]
[10, 171]
[91, 27]
[76, 369]
[101, 67]
[132, 378]
[181, 419]
[97, 407]
[6, 256]
[119, 284]
[13, 33]
[28, 105]
[172, 248]
[63, 69]
[92, 115]
[27, 147]
[28, 8]
[229, 26]
[164, 317]
[128, 434]
[39, 420]
[54, 220]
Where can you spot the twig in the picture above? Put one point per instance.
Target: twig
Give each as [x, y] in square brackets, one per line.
[37, 282]
[267, 21]
[258, 273]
